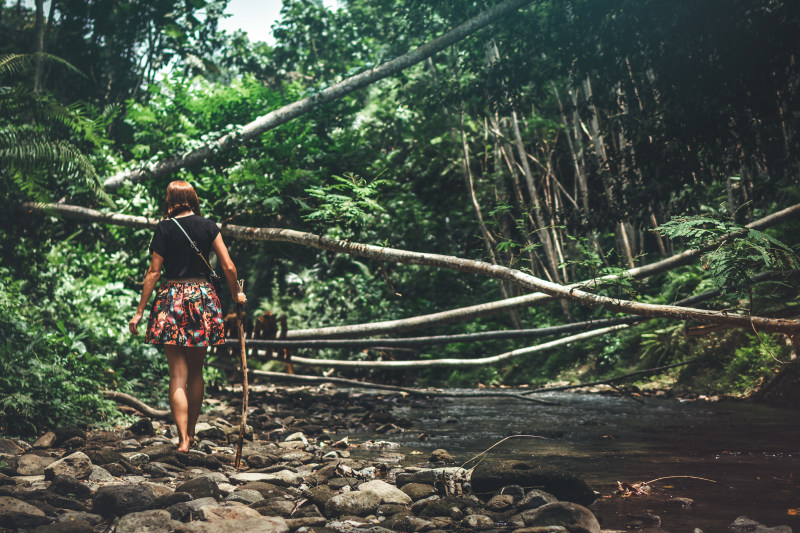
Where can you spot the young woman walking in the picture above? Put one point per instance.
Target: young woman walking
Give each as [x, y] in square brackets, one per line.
[186, 316]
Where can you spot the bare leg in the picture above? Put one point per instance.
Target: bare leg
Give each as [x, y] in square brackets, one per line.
[195, 386]
[178, 375]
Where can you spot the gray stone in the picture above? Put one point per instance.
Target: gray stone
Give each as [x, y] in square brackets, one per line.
[275, 507]
[264, 524]
[574, 517]
[171, 499]
[319, 495]
[77, 465]
[227, 511]
[297, 455]
[477, 521]
[418, 491]
[427, 477]
[72, 516]
[357, 503]
[200, 487]
[419, 505]
[100, 475]
[138, 458]
[119, 500]
[31, 464]
[744, 524]
[246, 496]
[536, 498]
[500, 502]
[16, 514]
[154, 521]
[387, 493]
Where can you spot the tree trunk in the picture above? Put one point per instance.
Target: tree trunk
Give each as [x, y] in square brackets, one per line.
[470, 266]
[334, 92]
[38, 32]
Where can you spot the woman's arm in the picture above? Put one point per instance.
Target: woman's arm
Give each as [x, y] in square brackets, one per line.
[228, 268]
[150, 280]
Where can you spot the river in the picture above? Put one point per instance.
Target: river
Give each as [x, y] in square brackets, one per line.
[748, 454]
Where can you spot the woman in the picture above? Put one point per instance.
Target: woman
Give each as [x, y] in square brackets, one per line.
[186, 316]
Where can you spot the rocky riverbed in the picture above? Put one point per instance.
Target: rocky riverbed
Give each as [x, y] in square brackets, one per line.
[301, 471]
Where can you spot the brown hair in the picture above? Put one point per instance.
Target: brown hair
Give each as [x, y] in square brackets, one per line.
[181, 197]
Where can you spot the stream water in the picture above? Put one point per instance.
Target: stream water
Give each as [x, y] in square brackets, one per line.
[751, 452]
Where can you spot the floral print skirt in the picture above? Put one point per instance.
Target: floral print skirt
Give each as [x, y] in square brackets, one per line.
[186, 314]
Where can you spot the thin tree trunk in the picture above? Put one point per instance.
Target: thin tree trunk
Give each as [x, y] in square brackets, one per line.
[329, 94]
[522, 279]
[38, 31]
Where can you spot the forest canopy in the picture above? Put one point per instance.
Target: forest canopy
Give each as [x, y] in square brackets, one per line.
[529, 140]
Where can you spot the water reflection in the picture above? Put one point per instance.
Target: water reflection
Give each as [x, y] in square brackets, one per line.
[752, 452]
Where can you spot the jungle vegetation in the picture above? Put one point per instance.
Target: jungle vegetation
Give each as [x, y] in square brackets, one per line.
[564, 140]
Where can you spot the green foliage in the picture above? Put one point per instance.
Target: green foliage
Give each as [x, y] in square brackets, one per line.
[349, 202]
[736, 253]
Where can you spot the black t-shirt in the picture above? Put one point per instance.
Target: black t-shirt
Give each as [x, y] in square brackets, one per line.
[180, 260]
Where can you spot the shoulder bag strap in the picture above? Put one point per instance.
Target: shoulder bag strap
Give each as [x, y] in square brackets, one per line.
[193, 244]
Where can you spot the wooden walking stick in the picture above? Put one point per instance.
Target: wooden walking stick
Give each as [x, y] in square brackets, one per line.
[243, 425]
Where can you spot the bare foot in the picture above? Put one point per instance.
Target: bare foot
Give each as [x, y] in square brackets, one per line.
[183, 446]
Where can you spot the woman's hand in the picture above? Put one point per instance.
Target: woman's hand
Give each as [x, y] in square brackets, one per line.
[240, 298]
[135, 322]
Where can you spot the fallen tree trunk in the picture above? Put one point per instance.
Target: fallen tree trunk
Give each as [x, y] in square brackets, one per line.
[393, 388]
[131, 401]
[517, 277]
[289, 112]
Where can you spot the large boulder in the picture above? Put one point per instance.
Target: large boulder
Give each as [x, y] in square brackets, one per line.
[489, 477]
[200, 487]
[16, 514]
[119, 500]
[153, 521]
[575, 518]
[77, 465]
[354, 503]
[387, 493]
[32, 464]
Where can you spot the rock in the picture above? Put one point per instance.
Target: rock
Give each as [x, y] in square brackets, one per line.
[246, 497]
[386, 492]
[744, 524]
[154, 521]
[200, 487]
[167, 500]
[500, 502]
[138, 459]
[453, 506]
[419, 505]
[390, 509]
[418, 491]
[155, 470]
[356, 503]
[77, 465]
[16, 514]
[191, 458]
[6, 480]
[63, 434]
[260, 460]
[308, 522]
[190, 510]
[319, 495]
[297, 455]
[31, 464]
[114, 469]
[48, 440]
[69, 486]
[427, 477]
[228, 511]
[574, 517]
[10, 447]
[551, 529]
[62, 502]
[642, 520]
[284, 478]
[143, 426]
[73, 443]
[679, 503]
[477, 521]
[157, 451]
[489, 477]
[275, 507]
[71, 526]
[267, 490]
[73, 516]
[534, 499]
[119, 500]
[263, 524]
[210, 432]
[441, 456]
